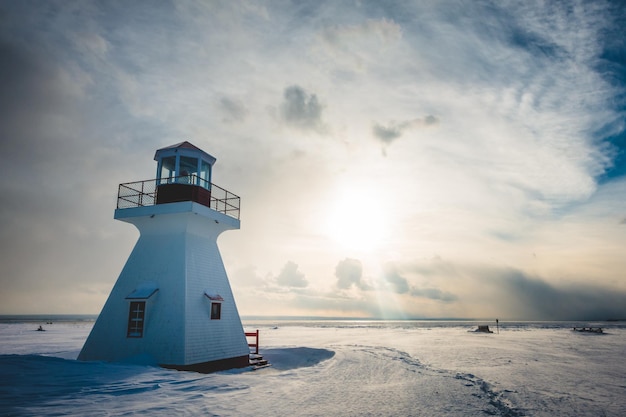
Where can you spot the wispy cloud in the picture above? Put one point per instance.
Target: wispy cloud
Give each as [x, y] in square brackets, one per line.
[355, 48]
[393, 130]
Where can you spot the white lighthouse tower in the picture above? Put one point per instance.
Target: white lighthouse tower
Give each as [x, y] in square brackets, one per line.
[172, 304]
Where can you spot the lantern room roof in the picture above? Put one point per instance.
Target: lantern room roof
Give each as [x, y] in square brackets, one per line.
[184, 148]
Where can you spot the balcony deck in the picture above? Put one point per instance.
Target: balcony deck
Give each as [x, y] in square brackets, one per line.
[184, 188]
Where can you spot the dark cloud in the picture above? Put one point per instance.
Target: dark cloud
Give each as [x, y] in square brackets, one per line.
[291, 277]
[534, 298]
[21, 75]
[513, 293]
[31, 94]
[393, 130]
[350, 272]
[433, 294]
[387, 134]
[233, 110]
[430, 120]
[623, 221]
[301, 109]
[400, 284]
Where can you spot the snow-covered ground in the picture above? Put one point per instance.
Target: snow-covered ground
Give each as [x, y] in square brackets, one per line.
[338, 368]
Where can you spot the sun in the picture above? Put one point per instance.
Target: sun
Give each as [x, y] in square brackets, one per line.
[356, 221]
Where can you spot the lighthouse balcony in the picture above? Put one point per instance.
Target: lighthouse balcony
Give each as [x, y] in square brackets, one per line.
[176, 189]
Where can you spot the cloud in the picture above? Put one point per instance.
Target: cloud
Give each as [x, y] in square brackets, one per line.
[479, 291]
[359, 48]
[291, 277]
[350, 272]
[35, 95]
[393, 130]
[383, 30]
[399, 284]
[433, 294]
[535, 298]
[301, 109]
[527, 91]
[485, 291]
[233, 110]
[386, 134]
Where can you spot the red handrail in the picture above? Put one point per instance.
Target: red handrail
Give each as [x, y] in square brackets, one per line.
[254, 345]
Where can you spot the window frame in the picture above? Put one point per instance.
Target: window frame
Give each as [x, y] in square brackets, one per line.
[216, 311]
[138, 320]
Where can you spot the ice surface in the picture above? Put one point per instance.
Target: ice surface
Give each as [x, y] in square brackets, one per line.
[339, 368]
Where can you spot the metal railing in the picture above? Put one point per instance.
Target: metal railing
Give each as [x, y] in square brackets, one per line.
[144, 193]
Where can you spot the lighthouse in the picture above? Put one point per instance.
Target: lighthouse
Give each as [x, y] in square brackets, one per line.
[172, 304]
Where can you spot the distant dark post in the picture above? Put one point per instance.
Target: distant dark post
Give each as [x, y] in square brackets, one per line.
[497, 326]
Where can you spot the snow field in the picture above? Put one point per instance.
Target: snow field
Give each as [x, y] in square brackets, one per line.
[331, 368]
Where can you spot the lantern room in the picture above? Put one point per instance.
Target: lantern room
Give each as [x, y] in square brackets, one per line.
[184, 163]
[183, 174]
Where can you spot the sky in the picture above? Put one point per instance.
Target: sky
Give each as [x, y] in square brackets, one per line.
[394, 159]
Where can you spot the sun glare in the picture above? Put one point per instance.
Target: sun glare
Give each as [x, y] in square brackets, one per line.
[357, 221]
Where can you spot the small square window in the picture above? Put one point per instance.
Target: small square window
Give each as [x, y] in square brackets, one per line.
[136, 315]
[216, 311]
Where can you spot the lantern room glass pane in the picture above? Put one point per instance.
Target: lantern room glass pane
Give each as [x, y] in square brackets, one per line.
[168, 167]
[188, 170]
[205, 175]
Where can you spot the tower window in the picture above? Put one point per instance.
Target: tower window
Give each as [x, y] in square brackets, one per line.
[216, 311]
[136, 317]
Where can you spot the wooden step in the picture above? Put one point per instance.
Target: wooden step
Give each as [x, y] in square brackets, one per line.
[257, 361]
